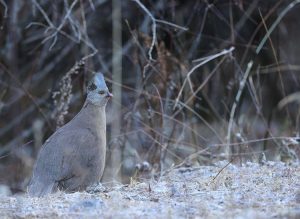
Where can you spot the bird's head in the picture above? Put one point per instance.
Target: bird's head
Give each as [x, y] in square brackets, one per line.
[97, 91]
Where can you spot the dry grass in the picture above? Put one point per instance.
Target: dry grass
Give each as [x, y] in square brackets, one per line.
[249, 191]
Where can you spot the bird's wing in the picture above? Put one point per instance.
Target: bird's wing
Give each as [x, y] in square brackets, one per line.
[57, 158]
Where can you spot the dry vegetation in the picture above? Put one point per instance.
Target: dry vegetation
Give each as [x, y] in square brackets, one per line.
[195, 82]
[250, 191]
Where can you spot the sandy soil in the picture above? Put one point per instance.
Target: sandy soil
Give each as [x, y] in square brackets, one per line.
[249, 191]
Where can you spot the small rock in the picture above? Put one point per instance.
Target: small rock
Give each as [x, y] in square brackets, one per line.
[96, 188]
[297, 197]
[87, 205]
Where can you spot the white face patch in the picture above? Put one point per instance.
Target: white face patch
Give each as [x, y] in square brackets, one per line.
[97, 90]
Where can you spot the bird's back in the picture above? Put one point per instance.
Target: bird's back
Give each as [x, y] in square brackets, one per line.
[71, 159]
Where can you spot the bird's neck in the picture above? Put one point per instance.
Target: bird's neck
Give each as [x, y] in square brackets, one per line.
[91, 112]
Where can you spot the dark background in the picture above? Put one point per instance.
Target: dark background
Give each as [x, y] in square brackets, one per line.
[42, 42]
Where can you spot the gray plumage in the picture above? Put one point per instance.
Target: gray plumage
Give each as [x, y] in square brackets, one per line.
[74, 156]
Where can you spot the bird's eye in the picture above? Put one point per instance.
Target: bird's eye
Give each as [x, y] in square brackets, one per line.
[92, 87]
[101, 92]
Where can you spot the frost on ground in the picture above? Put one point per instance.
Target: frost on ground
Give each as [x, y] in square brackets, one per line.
[250, 191]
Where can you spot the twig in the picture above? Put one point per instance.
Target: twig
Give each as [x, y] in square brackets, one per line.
[154, 24]
[162, 139]
[203, 83]
[251, 43]
[92, 5]
[202, 119]
[19, 118]
[282, 138]
[3, 150]
[5, 7]
[85, 40]
[171, 24]
[206, 60]
[196, 42]
[63, 101]
[279, 18]
[27, 93]
[156, 141]
[276, 59]
[153, 28]
[42, 74]
[237, 99]
[294, 97]
[223, 168]
[57, 30]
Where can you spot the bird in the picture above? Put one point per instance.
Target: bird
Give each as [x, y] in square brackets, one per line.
[73, 157]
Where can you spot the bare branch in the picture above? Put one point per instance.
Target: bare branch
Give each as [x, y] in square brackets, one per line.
[279, 18]
[203, 61]
[5, 7]
[154, 21]
[153, 28]
[171, 24]
[237, 99]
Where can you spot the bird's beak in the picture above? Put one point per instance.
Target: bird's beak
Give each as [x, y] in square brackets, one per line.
[109, 95]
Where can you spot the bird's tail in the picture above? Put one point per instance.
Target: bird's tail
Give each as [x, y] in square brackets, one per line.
[38, 188]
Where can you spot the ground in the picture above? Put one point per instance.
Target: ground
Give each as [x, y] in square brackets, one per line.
[271, 190]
